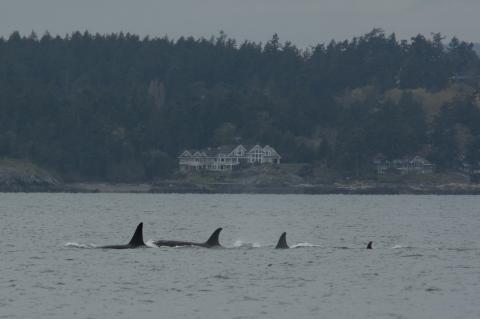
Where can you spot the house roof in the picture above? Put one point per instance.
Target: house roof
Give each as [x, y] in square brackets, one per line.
[272, 150]
[224, 150]
[379, 158]
[252, 147]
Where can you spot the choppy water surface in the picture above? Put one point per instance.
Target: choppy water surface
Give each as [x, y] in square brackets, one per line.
[425, 262]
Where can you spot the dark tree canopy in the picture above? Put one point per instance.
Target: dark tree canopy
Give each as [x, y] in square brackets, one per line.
[119, 107]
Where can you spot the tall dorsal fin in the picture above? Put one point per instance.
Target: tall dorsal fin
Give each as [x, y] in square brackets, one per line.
[369, 245]
[137, 239]
[282, 242]
[213, 240]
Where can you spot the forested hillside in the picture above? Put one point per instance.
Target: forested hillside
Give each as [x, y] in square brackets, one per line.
[476, 47]
[118, 107]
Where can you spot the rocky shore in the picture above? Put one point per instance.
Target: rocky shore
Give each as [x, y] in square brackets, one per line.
[22, 176]
[336, 188]
[36, 185]
[40, 184]
[17, 176]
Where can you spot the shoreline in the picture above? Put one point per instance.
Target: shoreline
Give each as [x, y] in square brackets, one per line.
[365, 188]
[20, 176]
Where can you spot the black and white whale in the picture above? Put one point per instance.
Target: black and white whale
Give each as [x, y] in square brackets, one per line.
[282, 242]
[211, 242]
[369, 245]
[135, 242]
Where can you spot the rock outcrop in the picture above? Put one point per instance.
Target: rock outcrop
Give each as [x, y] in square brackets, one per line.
[23, 176]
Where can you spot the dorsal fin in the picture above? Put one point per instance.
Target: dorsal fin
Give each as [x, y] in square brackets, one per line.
[213, 240]
[369, 245]
[282, 242]
[137, 239]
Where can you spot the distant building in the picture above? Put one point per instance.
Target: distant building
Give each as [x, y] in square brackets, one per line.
[473, 171]
[406, 165]
[227, 157]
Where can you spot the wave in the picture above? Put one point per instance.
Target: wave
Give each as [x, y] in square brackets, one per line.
[150, 243]
[78, 245]
[239, 243]
[459, 248]
[300, 245]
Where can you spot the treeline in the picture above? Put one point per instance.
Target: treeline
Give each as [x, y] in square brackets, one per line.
[118, 107]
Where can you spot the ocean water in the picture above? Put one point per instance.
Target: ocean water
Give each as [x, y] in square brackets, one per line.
[425, 262]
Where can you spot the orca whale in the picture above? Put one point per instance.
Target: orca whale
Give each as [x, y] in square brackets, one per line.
[135, 242]
[282, 242]
[211, 242]
[369, 245]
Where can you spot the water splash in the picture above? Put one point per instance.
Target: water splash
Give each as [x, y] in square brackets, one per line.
[78, 245]
[150, 243]
[239, 243]
[299, 245]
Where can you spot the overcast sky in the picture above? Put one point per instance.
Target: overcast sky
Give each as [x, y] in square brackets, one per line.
[304, 22]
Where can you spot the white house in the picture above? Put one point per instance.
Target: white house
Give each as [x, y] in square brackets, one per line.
[227, 157]
[407, 165]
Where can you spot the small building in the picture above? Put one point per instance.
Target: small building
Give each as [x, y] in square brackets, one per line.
[406, 165]
[227, 157]
[473, 171]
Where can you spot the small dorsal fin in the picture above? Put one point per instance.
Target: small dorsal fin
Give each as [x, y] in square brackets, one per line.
[282, 242]
[137, 239]
[213, 240]
[369, 245]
